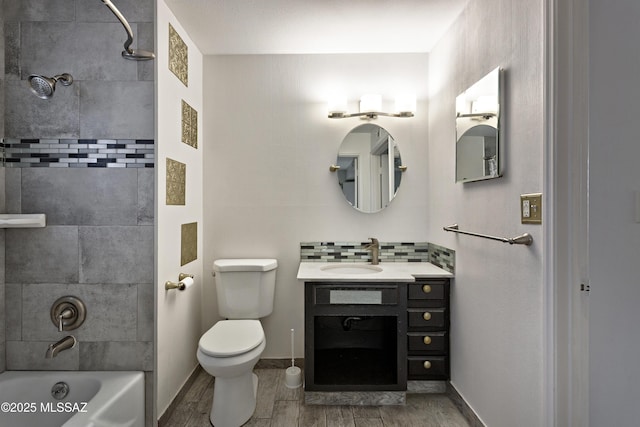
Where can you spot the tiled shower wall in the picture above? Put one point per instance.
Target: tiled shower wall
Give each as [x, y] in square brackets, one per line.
[99, 238]
[97, 245]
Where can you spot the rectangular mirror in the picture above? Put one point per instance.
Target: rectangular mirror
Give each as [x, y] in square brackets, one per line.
[478, 154]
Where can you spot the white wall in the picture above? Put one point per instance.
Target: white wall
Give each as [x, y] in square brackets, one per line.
[178, 314]
[268, 148]
[614, 153]
[496, 318]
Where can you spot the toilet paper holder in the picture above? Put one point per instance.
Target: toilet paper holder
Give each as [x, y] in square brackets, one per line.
[180, 285]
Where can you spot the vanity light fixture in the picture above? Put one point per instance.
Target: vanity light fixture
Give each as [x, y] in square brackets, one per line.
[371, 106]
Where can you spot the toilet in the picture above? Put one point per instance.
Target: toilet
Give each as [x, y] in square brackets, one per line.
[231, 348]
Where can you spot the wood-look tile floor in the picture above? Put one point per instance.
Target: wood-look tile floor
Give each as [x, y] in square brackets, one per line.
[279, 406]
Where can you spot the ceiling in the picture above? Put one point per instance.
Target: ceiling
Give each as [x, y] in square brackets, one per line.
[315, 26]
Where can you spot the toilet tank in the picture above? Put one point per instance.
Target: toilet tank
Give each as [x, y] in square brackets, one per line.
[245, 287]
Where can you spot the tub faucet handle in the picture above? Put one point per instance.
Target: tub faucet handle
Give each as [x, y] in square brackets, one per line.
[66, 314]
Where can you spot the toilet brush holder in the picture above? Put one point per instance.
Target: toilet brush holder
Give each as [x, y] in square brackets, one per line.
[293, 377]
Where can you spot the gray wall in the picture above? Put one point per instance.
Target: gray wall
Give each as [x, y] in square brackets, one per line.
[497, 299]
[614, 233]
[98, 243]
[2, 315]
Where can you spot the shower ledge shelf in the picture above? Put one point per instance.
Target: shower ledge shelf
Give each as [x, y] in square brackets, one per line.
[22, 220]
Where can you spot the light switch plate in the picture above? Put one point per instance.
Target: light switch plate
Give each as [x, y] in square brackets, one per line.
[531, 208]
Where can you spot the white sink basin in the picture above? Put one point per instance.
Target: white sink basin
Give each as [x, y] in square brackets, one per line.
[352, 269]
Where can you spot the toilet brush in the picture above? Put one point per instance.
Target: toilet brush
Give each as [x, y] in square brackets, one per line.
[293, 374]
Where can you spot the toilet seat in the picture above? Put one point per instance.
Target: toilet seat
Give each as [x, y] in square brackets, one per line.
[231, 337]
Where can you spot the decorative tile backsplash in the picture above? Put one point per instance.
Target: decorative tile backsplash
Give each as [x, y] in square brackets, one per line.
[355, 252]
[78, 153]
[444, 258]
[178, 56]
[389, 252]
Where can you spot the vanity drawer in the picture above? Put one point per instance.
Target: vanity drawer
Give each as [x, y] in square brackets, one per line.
[427, 290]
[428, 342]
[427, 318]
[428, 368]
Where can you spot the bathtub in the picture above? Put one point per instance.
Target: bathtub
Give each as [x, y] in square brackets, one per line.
[94, 399]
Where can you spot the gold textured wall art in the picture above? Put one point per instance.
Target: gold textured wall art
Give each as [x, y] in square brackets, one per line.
[176, 182]
[189, 243]
[189, 125]
[178, 56]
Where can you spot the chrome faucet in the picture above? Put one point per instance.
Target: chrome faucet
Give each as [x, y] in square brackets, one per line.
[374, 247]
[65, 343]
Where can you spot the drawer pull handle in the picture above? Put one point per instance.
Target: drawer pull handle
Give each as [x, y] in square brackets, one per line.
[426, 289]
[426, 340]
[426, 364]
[426, 315]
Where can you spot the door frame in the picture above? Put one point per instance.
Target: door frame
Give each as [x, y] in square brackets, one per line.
[565, 208]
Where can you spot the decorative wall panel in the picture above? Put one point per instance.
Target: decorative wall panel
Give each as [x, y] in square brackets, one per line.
[189, 125]
[178, 56]
[189, 243]
[176, 182]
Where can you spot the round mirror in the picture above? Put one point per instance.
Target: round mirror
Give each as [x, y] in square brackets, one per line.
[369, 168]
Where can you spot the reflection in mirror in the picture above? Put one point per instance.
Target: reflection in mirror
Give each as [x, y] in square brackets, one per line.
[478, 154]
[369, 171]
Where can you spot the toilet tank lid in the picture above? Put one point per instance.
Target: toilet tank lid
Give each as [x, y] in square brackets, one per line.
[244, 264]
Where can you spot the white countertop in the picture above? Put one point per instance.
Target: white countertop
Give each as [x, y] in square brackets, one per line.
[391, 272]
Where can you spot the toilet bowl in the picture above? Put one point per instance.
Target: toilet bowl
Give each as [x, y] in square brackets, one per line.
[229, 351]
[231, 348]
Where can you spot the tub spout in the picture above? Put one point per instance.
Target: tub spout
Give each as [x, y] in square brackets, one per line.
[64, 344]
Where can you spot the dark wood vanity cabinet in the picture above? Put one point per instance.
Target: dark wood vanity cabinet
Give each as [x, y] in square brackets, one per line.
[369, 336]
[354, 336]
[428, 330]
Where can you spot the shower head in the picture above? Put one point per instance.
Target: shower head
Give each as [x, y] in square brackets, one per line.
[137, 54]
[43, 87]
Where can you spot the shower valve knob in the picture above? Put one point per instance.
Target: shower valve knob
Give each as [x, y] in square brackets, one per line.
[68, 313]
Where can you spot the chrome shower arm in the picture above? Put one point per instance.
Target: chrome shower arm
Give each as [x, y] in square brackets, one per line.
[124, 23]
[128, 53]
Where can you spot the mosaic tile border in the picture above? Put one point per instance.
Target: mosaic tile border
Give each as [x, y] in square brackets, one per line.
[78, 153]
[389, 252]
